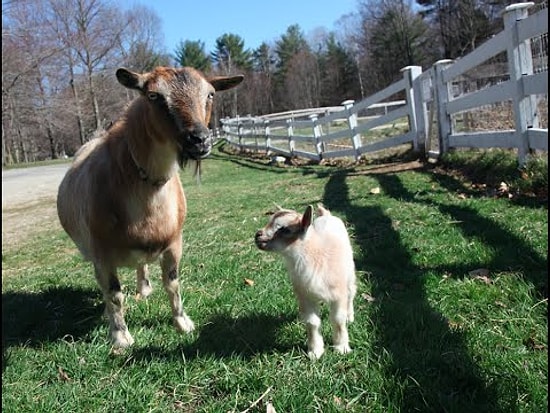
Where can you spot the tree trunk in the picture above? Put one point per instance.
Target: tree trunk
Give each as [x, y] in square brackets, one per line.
[77, 103]
[94, 98]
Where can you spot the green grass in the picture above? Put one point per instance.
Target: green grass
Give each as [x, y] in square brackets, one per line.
[435, 338]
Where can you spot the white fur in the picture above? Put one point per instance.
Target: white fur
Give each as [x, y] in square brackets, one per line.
[319, 260]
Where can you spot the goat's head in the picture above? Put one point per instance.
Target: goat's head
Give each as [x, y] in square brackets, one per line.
[285, 226]
[181, 99]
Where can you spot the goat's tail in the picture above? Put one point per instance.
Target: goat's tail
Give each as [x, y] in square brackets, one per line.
[321, 210]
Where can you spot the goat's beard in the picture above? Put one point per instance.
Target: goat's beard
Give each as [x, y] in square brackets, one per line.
[196, 164]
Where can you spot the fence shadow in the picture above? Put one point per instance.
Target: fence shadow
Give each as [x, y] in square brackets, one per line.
[32, 319]
[512, 252]
[424, 353]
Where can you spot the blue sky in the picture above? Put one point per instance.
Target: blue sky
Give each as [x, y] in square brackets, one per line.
[255, 21]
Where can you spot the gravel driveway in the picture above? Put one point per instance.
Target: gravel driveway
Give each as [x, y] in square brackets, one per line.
[28, 201]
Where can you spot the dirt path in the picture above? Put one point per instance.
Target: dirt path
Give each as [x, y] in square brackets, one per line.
[28, 202]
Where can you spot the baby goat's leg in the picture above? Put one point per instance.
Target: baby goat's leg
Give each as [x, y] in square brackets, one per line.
[114, 306]
[169, 264]
[352, 290]
[309, 313]
[144, 288]
[338, 318]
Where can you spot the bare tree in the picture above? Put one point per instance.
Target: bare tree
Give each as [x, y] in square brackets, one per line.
[27, 50]
[302, 81]
[142, 41]
[91, 31]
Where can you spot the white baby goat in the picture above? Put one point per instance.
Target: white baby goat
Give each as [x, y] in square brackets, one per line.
[319, 260]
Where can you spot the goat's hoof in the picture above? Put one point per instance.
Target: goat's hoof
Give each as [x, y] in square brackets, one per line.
[342, 348]
[144, 291]
[315, 354]
[184, 323]
[122, 339]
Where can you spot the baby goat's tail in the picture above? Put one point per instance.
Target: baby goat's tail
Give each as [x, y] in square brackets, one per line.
[321, 210]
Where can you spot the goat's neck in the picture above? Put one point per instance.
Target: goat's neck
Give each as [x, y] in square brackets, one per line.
[154, 155]
[303, 248]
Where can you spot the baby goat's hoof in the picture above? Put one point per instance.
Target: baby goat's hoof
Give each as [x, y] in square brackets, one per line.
[121, 339]
[184, 324]
[315, 354]
[342, 348]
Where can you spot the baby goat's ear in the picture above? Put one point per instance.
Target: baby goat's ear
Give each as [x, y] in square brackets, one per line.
[306, 218]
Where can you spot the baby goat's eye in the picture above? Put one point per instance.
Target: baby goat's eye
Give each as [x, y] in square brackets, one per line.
[152, 95]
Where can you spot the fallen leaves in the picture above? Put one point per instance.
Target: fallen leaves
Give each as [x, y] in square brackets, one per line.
[481, 274]
[62, 375]
[368, 298]
[532, 344]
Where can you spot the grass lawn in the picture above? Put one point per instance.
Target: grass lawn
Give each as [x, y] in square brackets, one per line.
[451, 310]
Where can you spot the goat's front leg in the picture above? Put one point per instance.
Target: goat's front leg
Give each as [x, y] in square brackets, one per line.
[114, 306]
[144, 287]
[309, 313]
[169, 263]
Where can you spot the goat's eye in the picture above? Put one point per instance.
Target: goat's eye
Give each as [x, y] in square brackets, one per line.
[152, 95]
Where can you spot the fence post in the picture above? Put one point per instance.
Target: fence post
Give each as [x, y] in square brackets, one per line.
[520, 63]
[416, 118]
[442, 93]
[255, 122]
[290, 135]
[267, 138]
[239, 132]
[317, 136]
[352, 124]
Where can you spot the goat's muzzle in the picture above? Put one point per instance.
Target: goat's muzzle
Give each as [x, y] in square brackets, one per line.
[261, 240]
[196, 145]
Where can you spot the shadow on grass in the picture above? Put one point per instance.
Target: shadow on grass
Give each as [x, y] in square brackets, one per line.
[32, 319]
[430, 361]
[512, 252]
[223, 336]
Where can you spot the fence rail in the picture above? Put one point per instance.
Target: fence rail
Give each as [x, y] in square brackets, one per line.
[436, 96]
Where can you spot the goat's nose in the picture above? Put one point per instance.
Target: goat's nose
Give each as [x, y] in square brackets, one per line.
[258, 234]
[198, 138]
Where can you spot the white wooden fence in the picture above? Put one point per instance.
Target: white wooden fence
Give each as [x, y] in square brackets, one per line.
[429, 98]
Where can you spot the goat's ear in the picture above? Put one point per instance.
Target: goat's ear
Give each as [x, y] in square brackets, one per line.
[307, 217]
[225, 82]
[130, 79]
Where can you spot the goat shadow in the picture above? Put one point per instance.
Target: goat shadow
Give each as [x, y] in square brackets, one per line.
[223, 336]
[32, 319]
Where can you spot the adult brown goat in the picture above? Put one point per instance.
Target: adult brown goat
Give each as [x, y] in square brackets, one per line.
[122, 201]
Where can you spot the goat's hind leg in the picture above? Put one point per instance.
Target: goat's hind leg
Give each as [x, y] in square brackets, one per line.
[169, 264]
[338, 317]
[114, 306]
[352, 290]
[144, 287]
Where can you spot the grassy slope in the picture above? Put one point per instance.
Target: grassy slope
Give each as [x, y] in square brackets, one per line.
[434, 339]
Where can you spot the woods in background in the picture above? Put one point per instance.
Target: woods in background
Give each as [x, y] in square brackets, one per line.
[59, 58]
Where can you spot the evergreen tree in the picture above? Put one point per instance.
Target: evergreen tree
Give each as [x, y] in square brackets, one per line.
[339, 76]
[230, 53]
[191, 53]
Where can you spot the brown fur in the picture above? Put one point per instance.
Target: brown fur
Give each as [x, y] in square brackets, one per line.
[122, 201]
